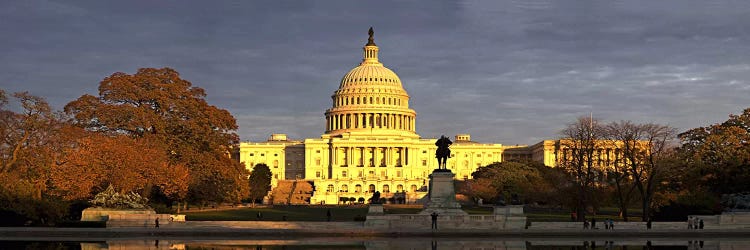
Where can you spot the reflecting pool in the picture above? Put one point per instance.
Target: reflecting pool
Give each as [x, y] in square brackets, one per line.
[385, 243]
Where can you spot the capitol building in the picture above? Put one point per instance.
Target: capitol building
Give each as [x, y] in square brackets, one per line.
[370, 144]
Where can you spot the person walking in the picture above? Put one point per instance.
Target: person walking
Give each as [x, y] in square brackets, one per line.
[695, 223]
[434, 216]
[156, 222]
[700, 223]
[611, 224]
[690, 222]
[328, 214]
[593, 223]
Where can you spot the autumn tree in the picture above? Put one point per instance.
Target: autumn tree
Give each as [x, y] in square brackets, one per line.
[159, 106]
[644, 148]
[128, 164]
[260, 182]
[31, 139]
[579, 142]
[720, 154]
[507, 179]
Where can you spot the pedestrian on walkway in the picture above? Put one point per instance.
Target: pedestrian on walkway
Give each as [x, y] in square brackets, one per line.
[586, 224]
[648, 223]
[690, 222]
[611, 224]
[434, 216]
[695, 223]
[259, 215]
[606, 223]
[328, 214]
[156, 222]
[593, 223]
[701, 224]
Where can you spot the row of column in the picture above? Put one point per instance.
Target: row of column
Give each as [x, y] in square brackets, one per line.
[370, 159]
[370, 120]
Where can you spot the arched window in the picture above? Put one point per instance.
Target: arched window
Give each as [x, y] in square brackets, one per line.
[358, 188]
[399, 188]
[275, 163]
[372, 188]
[329, 188]
[413, 188]
[386, 189]
[344, 188]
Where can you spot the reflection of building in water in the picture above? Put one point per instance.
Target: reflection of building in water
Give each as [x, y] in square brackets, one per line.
[134, 245]
[415, 243]
[370, 144]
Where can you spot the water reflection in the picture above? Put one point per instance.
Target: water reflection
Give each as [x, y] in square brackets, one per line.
[388, 243]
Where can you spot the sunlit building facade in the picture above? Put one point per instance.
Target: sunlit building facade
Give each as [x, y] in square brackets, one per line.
[370, 144]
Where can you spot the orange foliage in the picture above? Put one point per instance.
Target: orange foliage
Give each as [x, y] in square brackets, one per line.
[126, 163]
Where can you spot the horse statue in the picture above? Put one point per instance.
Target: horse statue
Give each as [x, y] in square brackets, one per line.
[443, 152]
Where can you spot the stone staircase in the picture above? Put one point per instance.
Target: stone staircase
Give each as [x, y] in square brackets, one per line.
[292, 192]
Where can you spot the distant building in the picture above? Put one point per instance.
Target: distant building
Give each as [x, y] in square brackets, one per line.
[370, 144]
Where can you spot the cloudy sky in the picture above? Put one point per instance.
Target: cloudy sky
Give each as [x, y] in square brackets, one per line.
[506, 71]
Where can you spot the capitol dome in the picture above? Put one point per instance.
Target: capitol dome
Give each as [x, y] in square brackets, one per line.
[370, 99]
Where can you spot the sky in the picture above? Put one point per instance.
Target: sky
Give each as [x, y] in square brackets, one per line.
[505, 71]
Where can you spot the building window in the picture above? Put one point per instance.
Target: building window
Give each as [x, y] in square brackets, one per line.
[424, 163]
[275, 154]
[386, 189]
[413, 188]
[251, 154]
[358, 188]
[344, 188]
[276, 176]
[398, 173]
[275, 164]
[262, 154]
[329, 188]
[317, 162]
[343, 173]
[372, 188]
[317, 174]
[400, 188]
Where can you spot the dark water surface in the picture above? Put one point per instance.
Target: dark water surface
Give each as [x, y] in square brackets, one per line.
[386, 243]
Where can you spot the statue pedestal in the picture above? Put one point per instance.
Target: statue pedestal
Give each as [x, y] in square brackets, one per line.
[442, 195]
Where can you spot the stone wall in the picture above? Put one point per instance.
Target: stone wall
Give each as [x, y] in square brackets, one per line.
[509, 217]
[103, 214]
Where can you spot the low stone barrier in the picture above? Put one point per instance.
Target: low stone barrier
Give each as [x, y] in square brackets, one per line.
[138, 220]
[509, 217]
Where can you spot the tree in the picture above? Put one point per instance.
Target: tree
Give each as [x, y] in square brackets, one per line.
[720, 154]
[260, 182]
[127, 164]
[159, 106]
[579, 142]
[31, 144]
[643, 147]
[505, 179]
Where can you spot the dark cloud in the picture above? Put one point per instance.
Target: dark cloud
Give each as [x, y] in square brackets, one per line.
[513, 71]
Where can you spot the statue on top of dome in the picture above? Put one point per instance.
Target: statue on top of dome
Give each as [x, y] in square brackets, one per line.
[370, 41]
